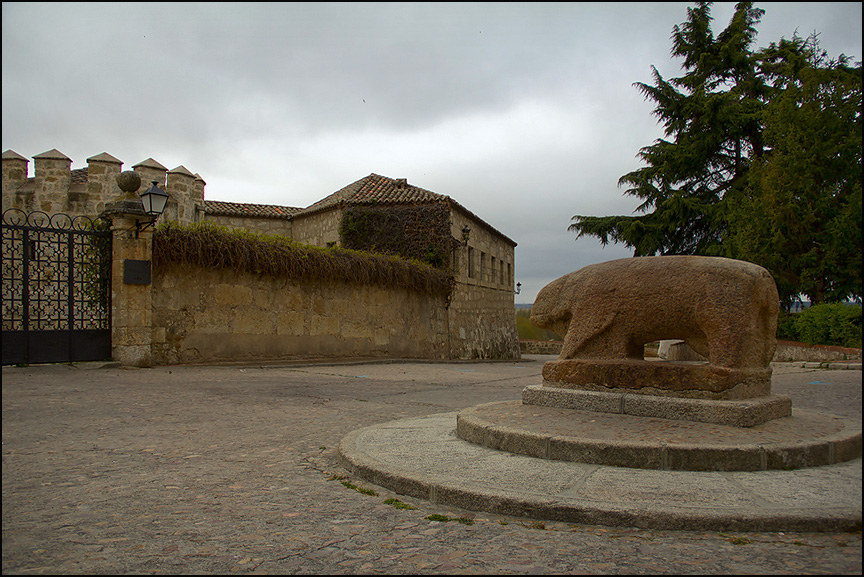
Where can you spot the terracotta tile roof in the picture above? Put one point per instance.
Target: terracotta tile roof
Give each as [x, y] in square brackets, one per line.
[377, 188]
[243, 209]
[384, 190]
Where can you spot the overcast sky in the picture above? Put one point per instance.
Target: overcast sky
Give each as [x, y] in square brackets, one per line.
[525, 114]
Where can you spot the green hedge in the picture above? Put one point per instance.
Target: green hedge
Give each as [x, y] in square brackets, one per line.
[834, 324]
[213, 246]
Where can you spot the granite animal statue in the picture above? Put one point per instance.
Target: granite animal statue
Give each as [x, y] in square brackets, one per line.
[725, 309]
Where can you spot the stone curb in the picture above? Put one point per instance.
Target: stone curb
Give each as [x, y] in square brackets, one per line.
[830, 365]
[467, 487]
[748, 455]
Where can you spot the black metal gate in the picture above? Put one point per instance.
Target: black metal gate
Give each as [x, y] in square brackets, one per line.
[56, 292]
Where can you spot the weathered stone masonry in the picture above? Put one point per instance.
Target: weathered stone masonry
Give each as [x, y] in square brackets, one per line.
[202, 315]
[196, 315]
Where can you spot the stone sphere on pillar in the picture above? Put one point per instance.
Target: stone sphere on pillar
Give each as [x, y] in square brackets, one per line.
[129, 181]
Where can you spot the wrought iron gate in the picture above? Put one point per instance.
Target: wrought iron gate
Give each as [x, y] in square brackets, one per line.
[56, 292]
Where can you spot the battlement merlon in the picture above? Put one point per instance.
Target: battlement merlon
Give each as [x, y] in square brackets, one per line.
[56, 187]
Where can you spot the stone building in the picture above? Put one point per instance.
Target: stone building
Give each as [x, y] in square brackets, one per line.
[480, 315]
[482, 311]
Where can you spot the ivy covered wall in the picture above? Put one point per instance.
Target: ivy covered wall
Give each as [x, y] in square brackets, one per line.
[414, 232]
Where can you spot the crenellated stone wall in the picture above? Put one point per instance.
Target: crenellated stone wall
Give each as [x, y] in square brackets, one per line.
[56, 187]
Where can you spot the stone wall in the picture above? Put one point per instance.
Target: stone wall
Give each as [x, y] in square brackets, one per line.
[479, 323]
[793, 351]
[281, 227]
[482, 313]
[531, 347]
[205, 315]
[131, 304]
[55, 187]
[318, 228]
[483, 323]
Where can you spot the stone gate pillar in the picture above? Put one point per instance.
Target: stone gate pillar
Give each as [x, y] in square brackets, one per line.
[131, 288]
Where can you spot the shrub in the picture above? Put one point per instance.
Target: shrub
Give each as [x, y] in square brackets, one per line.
[212, 246]
[786, 326]
[835, 324]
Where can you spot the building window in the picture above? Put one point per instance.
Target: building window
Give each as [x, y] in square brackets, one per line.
[492, 272]
[501, 276]
[482, 265]
[470, 262]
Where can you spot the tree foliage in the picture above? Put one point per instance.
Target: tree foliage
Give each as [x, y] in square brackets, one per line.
[760, 160]
[801, 215]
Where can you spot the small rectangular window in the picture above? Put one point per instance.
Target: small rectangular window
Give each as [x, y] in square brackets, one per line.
[470, 262]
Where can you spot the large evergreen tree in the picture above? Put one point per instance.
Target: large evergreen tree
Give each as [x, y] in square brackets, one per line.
[800, 216]
[721, 119]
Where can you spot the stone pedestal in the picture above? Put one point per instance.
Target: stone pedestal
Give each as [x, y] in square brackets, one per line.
[700, 392]
[734, 413]
[687, 380]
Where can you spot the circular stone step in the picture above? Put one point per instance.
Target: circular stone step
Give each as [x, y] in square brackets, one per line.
[804, 439]
[422, 457]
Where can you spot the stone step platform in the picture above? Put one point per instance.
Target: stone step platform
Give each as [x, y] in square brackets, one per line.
[804, 439]
[737, 413]
[422, 457]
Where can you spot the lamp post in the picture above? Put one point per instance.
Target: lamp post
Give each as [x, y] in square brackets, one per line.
[153, 200]
[466, 232]
[518, 288]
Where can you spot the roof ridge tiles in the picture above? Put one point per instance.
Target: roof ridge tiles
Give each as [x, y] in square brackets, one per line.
[246, 209]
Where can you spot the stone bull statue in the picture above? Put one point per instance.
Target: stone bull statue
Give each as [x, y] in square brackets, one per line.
[725, 309]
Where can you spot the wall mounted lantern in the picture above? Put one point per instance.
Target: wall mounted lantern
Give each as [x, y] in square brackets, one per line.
[153, 200]
[466, 232]
[518, 288]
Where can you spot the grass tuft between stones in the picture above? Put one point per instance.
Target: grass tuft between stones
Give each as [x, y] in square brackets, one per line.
[399, 504]
[445, 518]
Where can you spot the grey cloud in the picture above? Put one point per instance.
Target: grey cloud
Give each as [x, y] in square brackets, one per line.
[524, 112]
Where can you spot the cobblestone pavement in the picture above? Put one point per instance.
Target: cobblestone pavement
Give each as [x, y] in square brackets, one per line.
[233, 470]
